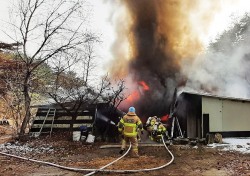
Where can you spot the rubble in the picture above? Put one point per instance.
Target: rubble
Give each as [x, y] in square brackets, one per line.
[23, 149]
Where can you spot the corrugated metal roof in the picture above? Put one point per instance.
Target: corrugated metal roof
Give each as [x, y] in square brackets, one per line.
[215, 96]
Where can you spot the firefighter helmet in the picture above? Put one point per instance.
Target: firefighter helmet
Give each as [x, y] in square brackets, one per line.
[131, 109]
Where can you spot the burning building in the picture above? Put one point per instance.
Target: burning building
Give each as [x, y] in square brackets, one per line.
[159, 46]
[153, 38]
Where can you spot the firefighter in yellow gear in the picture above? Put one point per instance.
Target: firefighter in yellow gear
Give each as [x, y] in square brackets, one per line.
[128, 127]
[155, 128]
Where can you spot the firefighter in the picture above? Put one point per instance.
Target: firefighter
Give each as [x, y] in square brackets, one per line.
[151, 120]
[150, 123]
[128, 127]
[156, 129]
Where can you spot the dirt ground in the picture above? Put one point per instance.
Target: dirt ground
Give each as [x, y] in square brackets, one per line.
[60, 149]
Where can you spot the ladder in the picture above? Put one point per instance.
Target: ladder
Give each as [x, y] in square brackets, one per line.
[175, 120]
[50, 113]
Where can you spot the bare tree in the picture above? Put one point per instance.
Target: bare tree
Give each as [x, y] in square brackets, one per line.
[46, 29]
[71, 90]
[76, 91]
[115, 94]
[73, 94]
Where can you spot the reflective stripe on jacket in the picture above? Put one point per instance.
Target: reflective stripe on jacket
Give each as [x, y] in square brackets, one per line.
[129, 124]
[161, 129]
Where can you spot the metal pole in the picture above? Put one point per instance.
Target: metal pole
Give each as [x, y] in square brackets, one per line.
[172, 129]
[179, 128]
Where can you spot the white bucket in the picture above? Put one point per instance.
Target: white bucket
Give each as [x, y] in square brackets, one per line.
[90, 138]
[76, 135]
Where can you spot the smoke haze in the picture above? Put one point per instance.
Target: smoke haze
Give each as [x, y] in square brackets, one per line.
[225, 68]
[160, 42]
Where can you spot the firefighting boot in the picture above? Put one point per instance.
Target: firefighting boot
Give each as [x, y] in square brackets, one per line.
[121, 151]
[135, 155]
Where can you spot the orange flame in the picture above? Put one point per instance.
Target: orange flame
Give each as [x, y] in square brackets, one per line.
[139, 89]
[133, 97]
[144, 85]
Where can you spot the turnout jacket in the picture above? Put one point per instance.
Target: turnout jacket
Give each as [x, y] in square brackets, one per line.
[129, 125]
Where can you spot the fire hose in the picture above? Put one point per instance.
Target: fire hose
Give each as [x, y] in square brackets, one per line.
[91, 173]
[102, 169]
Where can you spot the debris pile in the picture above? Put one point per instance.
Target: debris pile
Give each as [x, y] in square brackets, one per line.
[23, 149]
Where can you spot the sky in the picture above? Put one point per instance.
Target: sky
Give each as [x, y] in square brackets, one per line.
[104, 17]
[98, 19]
[98, 22]
[4, 14]
[102, 22]
[230, 10]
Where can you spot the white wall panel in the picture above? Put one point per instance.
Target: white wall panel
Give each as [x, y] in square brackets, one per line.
[236, 116]
[213, 107]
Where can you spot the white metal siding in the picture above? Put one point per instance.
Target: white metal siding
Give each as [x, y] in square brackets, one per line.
[213, 107]
[226, 115]
[236, 116]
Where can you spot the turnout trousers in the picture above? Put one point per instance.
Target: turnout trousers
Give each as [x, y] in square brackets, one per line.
[134, 143]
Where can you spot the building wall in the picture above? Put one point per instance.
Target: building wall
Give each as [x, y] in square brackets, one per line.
[61, 121]
[226, 115]
[213, 107]
[188, 111]
[236, 116]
